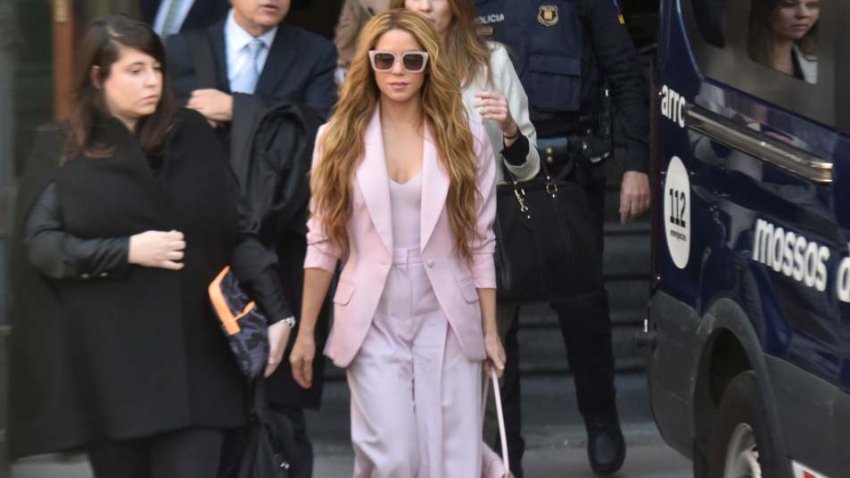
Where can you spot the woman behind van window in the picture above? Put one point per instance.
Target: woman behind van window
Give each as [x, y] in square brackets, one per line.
[783, 36]
[120, 352]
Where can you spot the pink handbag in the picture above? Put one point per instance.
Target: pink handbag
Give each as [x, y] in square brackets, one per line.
[492, 465]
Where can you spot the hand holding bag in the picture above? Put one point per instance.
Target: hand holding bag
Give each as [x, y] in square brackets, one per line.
[243, 323]
[492, 465]
[545, 247]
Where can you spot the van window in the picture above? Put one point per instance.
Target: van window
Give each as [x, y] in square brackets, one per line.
[711, 21]
[782, 51]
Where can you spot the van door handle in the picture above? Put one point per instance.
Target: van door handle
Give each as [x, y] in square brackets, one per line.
[765, 148]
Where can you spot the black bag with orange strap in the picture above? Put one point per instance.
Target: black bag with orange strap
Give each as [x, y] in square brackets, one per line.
[243, 323]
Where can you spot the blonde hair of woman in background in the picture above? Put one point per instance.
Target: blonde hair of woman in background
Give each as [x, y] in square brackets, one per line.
[352, 17]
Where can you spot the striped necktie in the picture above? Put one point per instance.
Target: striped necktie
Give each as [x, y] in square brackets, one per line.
[246, 82]
[170, 25]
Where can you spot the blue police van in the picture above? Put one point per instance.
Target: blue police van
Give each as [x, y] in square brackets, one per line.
[749, 317]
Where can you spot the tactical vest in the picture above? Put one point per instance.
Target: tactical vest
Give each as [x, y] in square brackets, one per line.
[546, 41]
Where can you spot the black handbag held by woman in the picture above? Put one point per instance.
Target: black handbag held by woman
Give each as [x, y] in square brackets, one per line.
[545, 251]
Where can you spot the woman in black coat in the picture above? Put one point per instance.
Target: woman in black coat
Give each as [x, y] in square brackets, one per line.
[125, 217]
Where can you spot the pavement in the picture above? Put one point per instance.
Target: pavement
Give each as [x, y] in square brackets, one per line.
[555, 436]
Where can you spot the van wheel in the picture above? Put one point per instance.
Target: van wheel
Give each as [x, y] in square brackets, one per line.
[741, 445]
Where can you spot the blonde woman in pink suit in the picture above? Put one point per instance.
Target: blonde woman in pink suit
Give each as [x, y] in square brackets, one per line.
[404, 195]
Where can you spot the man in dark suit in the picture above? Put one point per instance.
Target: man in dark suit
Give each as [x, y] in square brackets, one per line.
[172, 16]
[255, 62]
[257, 58]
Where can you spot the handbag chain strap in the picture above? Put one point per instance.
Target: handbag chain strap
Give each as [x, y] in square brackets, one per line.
[519, 192]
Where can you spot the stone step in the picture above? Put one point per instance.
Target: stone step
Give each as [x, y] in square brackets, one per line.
[627, 252]
[542, 351]
[627, 294]
[4, 380]
[541, 316]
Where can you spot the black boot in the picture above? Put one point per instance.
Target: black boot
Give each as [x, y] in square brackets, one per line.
[606, 447]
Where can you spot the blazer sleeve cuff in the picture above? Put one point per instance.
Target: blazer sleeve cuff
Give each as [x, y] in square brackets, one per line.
[317, 259]
[484, 271]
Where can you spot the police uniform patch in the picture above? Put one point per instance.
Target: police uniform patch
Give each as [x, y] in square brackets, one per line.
[548, 15]
[485, 30]
[620, 16]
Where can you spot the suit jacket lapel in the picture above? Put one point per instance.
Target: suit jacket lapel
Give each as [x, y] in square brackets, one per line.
[435, 188]
[282, 55]
[216, 33]
[148, 9]
[374, 181]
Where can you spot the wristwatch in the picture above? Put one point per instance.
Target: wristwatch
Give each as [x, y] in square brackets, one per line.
[290, 321]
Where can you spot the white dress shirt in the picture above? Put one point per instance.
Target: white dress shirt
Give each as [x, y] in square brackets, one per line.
[162, 14]
[236, 42]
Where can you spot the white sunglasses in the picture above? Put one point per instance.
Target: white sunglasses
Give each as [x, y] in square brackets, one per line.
[411, 61]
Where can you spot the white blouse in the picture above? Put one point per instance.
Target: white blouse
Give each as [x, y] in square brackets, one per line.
[505, 82]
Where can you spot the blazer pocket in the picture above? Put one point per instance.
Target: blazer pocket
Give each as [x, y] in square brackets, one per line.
[469, 291]
[344, 292]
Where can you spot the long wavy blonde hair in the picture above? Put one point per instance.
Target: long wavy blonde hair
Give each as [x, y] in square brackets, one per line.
[467, 52]
[342, 146]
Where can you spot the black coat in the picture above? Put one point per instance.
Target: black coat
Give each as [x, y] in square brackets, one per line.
[297, 77]
[276, 182]
[45, 410]
[139, 353]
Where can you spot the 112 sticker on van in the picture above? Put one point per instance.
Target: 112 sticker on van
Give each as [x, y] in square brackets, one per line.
[677, 212]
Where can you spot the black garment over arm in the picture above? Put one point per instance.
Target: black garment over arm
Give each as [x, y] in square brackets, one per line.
[59, 255]
[516, 153]
[618, 63]
[254, 264]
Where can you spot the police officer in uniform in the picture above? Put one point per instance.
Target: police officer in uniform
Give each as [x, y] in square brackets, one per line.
[580, 70]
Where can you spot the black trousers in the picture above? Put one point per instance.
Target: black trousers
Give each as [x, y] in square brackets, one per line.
[188, 453]
[585, 323]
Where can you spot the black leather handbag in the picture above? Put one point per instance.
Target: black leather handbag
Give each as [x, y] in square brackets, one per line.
[545, 250]
[266, 447]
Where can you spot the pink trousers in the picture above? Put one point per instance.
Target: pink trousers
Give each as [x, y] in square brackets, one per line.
[415, 397]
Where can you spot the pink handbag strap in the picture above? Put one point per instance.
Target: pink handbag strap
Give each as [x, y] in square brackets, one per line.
[499, 415]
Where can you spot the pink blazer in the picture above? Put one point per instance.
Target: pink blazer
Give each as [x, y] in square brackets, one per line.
[365, 271]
